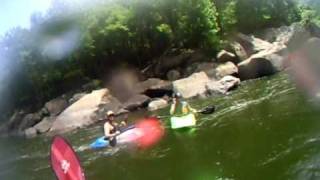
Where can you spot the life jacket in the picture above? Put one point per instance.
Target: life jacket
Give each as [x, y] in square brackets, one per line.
[182, 108]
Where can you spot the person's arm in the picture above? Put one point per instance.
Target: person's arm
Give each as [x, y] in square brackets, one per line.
[191, 109]
[173, 108]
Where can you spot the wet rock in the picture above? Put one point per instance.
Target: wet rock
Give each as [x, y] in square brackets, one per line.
[29, 120]
[56, 106]
[173, 75]
[223, 86]
[192, 86]
[30, 132]
[136, 102]
[81, 113]
[225, 56]
[157, 104]
[226, 69]
[44, 125]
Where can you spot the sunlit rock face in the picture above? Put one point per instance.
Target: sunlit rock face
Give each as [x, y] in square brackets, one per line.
[83, 112]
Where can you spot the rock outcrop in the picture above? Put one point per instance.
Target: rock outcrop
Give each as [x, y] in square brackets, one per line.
[192, 86]
[81, 113]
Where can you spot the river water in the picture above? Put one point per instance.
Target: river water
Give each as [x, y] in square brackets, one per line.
[266, 129]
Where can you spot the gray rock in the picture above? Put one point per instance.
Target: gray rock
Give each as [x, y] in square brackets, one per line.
[29, 120]
[157, 104]
[225, 69]
[136, 102]
[222, 86]
[44, 125]
[30, 132]
[225, 56]
[192, 86]
[76, 97]
[173, 75]
[56, 106]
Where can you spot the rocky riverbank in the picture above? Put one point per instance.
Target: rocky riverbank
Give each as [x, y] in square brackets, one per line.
[191, 73]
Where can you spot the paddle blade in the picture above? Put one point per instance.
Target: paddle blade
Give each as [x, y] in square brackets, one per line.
[208, 110]
[151, 132]
[64, 160]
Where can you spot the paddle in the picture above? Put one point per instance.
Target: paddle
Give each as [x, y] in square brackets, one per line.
[207, 110]
[64, 161]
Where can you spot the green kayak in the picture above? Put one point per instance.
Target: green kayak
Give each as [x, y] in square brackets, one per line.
[183, 121]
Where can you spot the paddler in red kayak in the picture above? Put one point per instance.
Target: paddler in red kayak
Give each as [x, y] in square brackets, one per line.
[180, 107]
[111, 128]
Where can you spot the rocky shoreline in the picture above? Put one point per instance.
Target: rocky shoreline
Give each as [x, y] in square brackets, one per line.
[192, 74]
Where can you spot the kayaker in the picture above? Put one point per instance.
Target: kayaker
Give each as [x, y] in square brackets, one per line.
[180, 107]
[111, 128]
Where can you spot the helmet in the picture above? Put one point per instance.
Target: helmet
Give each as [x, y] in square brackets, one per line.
[110, 113]
[177, 95]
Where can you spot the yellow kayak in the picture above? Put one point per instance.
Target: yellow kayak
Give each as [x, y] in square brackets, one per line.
[188, 120]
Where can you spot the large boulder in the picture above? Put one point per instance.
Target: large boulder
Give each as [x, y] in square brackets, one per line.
[154, 87]
[136, 102]
[225, 56]
[225, 69]
[192, 86]
[30, 132]
[264, 63]
[56, 106]
[81, 113]
[29, 120]
[157, 104]
[44, 125]
[222, 86]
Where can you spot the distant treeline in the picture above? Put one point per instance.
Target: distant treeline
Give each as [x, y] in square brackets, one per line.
[71, 44]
